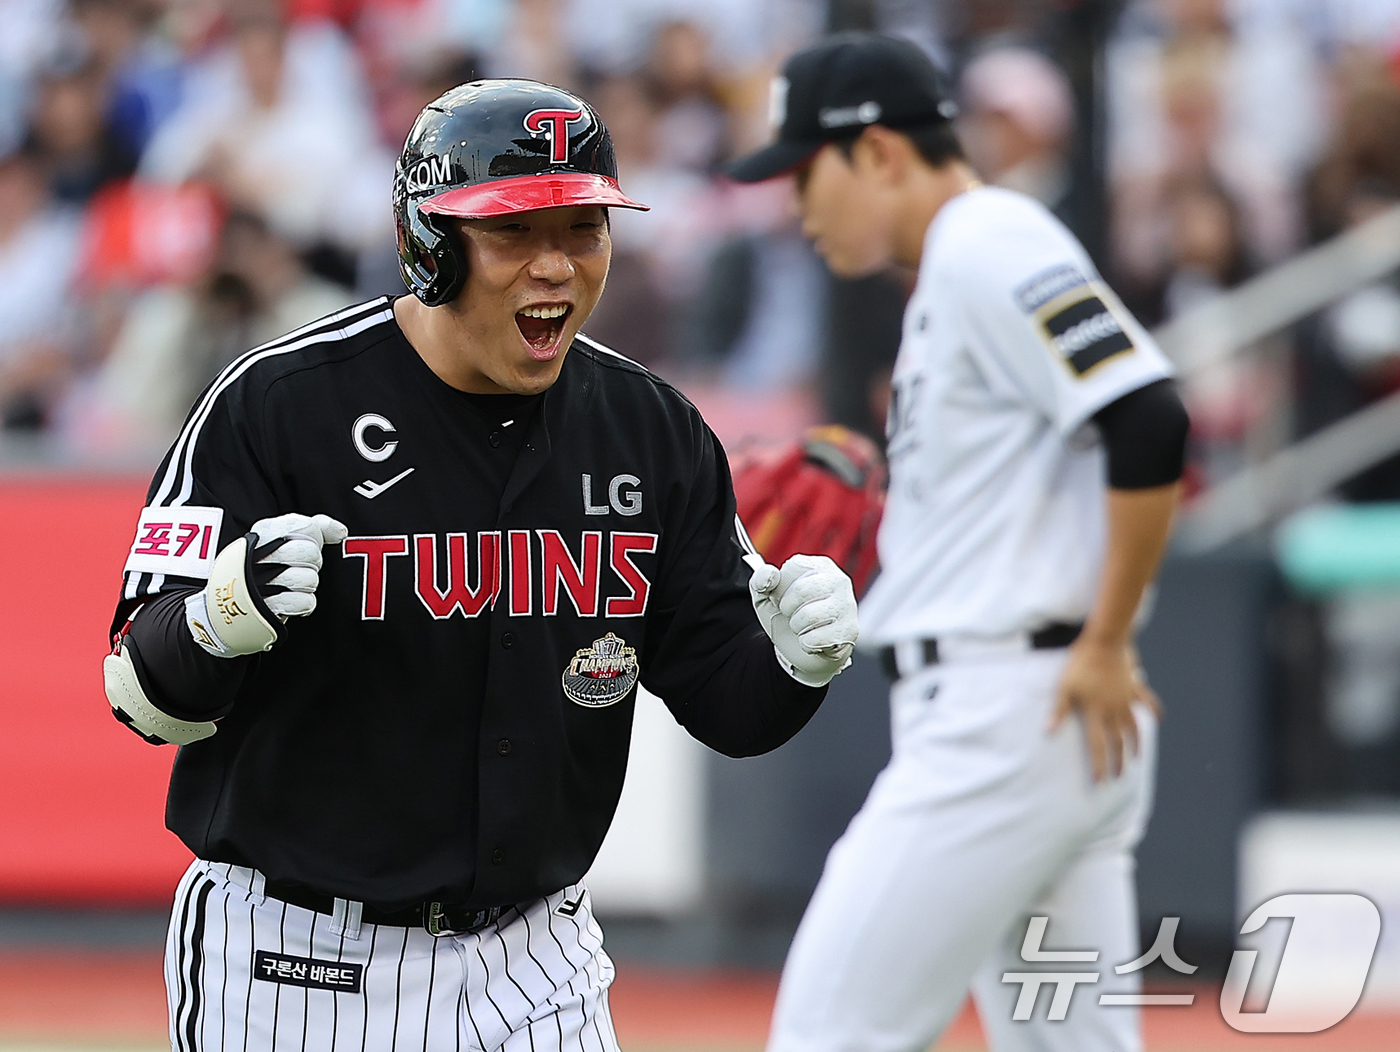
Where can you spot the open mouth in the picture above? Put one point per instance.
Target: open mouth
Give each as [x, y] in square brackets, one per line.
[542, 326]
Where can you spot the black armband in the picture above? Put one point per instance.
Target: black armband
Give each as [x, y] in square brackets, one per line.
[1144, 436]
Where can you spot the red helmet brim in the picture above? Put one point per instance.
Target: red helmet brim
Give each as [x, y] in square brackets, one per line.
[527, 193]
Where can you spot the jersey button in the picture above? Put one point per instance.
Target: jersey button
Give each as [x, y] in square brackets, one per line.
[503, 746]
[508, 640]
[494, 438]
[498, 856]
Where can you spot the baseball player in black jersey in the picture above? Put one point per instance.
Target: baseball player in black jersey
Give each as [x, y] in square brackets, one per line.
[391, 593]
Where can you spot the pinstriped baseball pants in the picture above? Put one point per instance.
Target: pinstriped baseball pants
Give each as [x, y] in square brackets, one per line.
[536, 981]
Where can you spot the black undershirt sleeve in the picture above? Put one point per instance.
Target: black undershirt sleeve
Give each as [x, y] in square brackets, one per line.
[749, 705]
[707, 657]
[1144, 436]
[179, 676]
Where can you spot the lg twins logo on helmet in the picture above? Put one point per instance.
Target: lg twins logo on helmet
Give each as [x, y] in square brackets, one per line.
[555, 125]
[427, 173]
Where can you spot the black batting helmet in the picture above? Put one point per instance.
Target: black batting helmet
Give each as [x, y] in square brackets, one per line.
[489, 148]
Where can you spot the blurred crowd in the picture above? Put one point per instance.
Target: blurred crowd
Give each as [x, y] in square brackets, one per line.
[183, 179]
[1238, 134]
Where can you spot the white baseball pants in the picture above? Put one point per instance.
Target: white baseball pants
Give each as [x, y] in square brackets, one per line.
[245, 973]
[981, 820]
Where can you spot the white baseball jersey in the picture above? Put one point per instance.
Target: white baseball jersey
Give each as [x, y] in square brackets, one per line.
[995, 520]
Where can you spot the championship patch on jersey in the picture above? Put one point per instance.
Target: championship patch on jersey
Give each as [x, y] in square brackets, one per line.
[179, 541]
[340, 976]
[602, 674]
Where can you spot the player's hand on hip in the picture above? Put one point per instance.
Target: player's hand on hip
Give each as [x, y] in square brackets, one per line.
[1101, 683]
[266, 576]
[808, 609]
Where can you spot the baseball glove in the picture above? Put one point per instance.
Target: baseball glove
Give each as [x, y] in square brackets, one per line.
[821, 495]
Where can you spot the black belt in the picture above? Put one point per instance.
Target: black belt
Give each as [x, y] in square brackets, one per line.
[439, 918]
[1053, 636]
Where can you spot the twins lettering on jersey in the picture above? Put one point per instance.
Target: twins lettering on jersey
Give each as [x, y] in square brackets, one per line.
[464, 575]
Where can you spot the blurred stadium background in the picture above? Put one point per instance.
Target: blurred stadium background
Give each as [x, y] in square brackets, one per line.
[182, 179]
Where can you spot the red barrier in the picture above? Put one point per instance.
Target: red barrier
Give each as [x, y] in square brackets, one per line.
[82, 799]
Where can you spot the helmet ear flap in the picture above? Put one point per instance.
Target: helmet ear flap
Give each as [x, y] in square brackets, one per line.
[449, 262]
[430, 259]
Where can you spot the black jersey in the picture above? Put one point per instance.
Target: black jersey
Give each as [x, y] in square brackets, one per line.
[452, 722]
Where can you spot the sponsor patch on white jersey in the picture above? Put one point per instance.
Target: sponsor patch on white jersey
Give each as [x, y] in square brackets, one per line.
[180, 541]
[1082, 328]
[1074, 316]
[1050, 284]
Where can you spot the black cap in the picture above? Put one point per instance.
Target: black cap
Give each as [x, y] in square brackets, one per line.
[834, 88]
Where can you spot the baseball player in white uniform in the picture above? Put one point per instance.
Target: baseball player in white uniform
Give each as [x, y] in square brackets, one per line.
[1036, 445]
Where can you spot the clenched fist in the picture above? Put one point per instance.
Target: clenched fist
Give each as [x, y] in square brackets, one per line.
[808, 609]
[266, 576]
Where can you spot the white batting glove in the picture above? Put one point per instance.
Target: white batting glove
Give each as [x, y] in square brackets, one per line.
[808, 609]
[266, 576]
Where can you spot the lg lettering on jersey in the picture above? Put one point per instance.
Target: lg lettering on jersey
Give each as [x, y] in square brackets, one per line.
[555, 125]
[453, 576]
[180, 541]
[626, 501]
